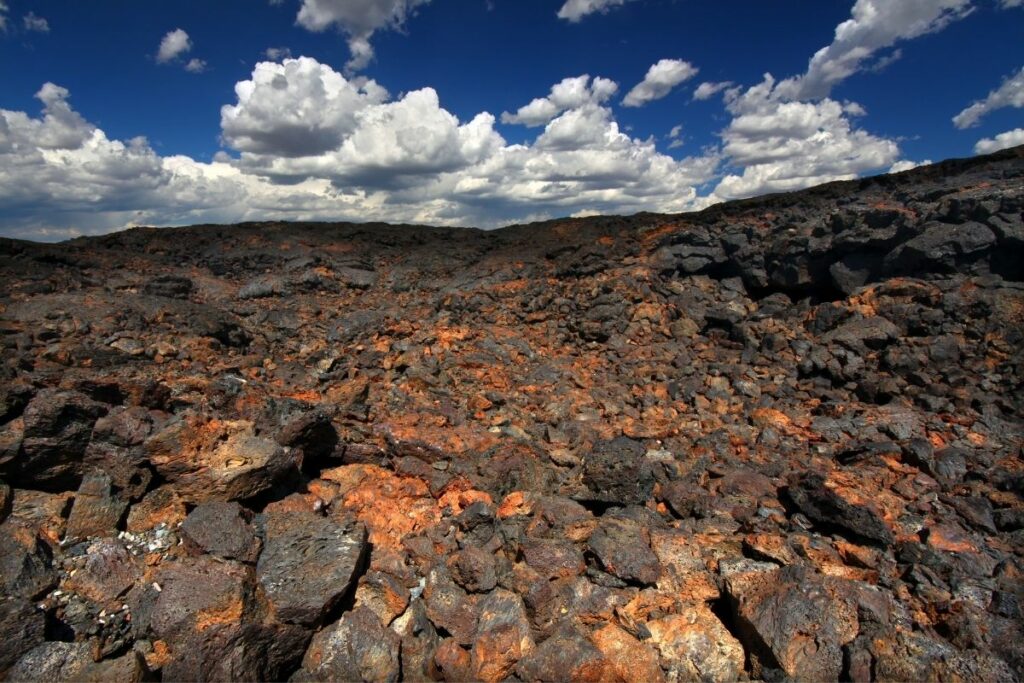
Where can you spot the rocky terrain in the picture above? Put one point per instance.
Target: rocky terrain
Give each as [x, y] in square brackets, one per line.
[780, 438]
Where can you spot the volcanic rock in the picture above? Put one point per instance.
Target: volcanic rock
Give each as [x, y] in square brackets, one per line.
[780, 438]
[308, 563]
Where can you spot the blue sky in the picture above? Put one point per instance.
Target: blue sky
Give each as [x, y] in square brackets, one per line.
[395, 111]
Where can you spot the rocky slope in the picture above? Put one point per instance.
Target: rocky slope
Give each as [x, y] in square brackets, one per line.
[778, 438]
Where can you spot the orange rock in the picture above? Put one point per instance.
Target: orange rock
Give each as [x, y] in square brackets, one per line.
[632, 660]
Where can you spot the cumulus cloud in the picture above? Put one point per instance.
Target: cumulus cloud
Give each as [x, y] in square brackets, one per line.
[33, 22]
[659, 81]
[173, 45]
[342, 151]
[873, 25]
[906, 165]
[1008, 4]
[195, 66]
[1009, 94]
[570, 93]
[784, 145]
[296, 108]
[358, 20]
[574, 10]
[707, 90]
[3, 16]
[1010, 138]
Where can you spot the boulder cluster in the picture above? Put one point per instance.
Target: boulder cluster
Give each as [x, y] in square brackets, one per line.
[782, 438]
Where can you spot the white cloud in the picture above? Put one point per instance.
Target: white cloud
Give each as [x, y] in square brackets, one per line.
[3, 16]
[1009, 94]
[659, 81]
[570, 93]
[1010, 138]
[195, 66]
[407, 160]
[872, 26]
[297, 108]
[276, 54]
[784, 145]
[1007, 4]
[36, 23]
[707, 90]
[174, 44]
[574, 10]
[906, 165]
[358, 19]
[675, 132]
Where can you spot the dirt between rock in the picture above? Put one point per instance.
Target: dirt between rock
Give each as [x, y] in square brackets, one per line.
[778, 439]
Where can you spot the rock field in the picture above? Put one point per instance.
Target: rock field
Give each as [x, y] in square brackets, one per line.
[782, 438]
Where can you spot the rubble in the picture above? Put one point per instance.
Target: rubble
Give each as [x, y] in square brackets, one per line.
[781, 438]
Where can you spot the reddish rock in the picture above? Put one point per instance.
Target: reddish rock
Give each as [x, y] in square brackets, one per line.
[694, 645]
[222, 529]
[793, 619]
[355, 648]
[632, 660]
[567, 655]
[503, 636]
[217, 460]
[96, 510]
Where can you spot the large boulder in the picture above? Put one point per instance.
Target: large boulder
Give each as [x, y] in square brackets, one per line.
[308, 564]
[218, 460]
[57, 428]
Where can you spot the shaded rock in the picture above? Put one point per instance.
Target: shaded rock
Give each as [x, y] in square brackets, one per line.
[74, 662]
[58, 426]
[308, 563]
[941, 248]
[355, 648]
[22, 627]
[116, 448]
[170, 286]
[449, 606]
[25, 569]
[96, 511]
[829, 501]
[617, 472]
[793, 620]
[473, 569]
[566, 655]
[622, 549]
[222, 529]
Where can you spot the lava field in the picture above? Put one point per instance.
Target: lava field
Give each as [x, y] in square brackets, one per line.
[782, 438]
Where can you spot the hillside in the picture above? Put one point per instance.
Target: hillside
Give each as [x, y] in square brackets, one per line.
[782, 437]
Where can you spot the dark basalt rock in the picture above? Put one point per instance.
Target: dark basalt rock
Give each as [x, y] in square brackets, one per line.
[778, 439]
[308, 564]
[22, 627]
[222, 529]
[617, 472]
[57, 429]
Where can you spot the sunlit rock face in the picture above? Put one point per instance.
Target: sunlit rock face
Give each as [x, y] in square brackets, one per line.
[778, 438]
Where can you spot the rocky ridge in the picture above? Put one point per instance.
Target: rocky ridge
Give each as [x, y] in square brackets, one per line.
[778, 439]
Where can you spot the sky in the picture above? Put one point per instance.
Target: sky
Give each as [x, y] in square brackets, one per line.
[479, 112]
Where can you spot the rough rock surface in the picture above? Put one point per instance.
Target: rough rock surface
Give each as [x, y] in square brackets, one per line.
[778, 439]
